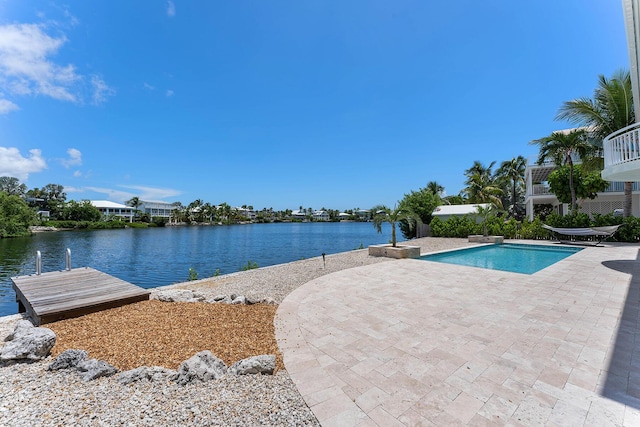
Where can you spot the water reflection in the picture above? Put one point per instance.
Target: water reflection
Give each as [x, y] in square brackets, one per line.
[162, 256]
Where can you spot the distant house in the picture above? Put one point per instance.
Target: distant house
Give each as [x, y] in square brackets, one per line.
[344, 216]
[108, 208]
[249, 214]
[321, 216]
[157, 209]
[298, 214]
[445, 212]
[363, 214]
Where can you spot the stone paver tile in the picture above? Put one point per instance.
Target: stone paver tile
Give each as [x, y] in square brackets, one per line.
[498, 409]
[482, 389]
[314, 380]
[531, 412]
[322, 395]
[499, 371]
[564, 413]
[605, 412]
[367, 365]
[585, 379]
[480, 421]
[350, 417]
[555, 376]
[339, 404]
[464, 407]
[411, 418]
[631, 417]
[444, 419]
[371, 399]
[383, 418]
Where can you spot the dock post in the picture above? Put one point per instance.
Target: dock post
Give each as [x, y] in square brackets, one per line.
[38, 263]
[67, 259]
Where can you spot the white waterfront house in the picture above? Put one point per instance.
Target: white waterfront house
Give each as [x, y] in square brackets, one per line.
[298, 214]
[108, 208]
[249, 214]
[157, 209]
[538, 192]
[321, 215]
[621, 149]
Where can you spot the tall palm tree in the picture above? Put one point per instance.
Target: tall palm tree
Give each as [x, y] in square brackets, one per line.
[384, 214]
[513, 170]
[481, 185]
[611, 109]
[435, 188]
[562, 148]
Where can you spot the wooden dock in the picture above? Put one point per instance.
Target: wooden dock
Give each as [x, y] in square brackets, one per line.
[70, 293]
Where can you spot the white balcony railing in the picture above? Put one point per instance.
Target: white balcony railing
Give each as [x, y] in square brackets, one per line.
[622, 146]
[540, 190]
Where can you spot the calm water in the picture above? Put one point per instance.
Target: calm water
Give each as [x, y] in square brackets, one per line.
[517, 258]
[162, 256]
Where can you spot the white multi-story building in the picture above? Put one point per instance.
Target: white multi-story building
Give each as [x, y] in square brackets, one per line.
[108, 208]
[538, 192]
[321, 216]
[157, 209]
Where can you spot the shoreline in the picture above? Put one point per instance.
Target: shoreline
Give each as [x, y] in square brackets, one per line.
[28, 392]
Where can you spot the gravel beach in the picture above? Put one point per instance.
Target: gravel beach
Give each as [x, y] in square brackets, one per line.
[32, 396]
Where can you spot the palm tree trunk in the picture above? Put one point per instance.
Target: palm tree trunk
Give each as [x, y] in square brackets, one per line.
[628, 189]
[513, 198]
[571, 188]
[393, 234]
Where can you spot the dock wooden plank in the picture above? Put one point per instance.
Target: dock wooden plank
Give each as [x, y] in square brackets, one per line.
[62, 294]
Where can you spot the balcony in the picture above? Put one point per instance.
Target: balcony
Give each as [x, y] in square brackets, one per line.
[622, 154]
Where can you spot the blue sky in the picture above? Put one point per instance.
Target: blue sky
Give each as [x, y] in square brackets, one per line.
[287, 103]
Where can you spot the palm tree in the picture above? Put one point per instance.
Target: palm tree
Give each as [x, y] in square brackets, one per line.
[611, 109]
[384, 214]
[435, 188]
[513, 170]
[562, 147]
[481, 185]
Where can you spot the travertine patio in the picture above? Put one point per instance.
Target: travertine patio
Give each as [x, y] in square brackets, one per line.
[411, 342]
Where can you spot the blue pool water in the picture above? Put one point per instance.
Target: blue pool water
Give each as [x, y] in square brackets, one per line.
[517, 258]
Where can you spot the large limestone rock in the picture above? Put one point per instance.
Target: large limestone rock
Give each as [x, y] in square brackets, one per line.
[239, 299]
[263, 364]
[27, 343]
[204, 366]
[90, 369]
[68, 359]
[179, 295]
[148, 373]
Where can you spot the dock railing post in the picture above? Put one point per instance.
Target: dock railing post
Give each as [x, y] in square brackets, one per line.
[67, 259]
[38, 263]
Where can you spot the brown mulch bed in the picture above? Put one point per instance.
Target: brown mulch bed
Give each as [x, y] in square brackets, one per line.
[154, 333]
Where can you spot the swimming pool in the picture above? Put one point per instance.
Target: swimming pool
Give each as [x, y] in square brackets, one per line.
[517, 258]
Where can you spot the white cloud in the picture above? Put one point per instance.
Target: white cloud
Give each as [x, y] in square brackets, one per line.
[12, 163]
[7, 106]
[171, 9]
[144, 193]
[77, 174]
[75, 158]
[148, 86]
[100, 90]
[169, 93]
[113, 195]
[26, 67]
[152, 193]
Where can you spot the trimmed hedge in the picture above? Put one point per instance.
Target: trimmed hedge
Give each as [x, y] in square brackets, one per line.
[512, 229]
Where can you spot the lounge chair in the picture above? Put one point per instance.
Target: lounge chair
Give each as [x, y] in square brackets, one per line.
[601, 233]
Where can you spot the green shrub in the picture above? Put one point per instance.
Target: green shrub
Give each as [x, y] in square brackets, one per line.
[193, 274]
[250, 265]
